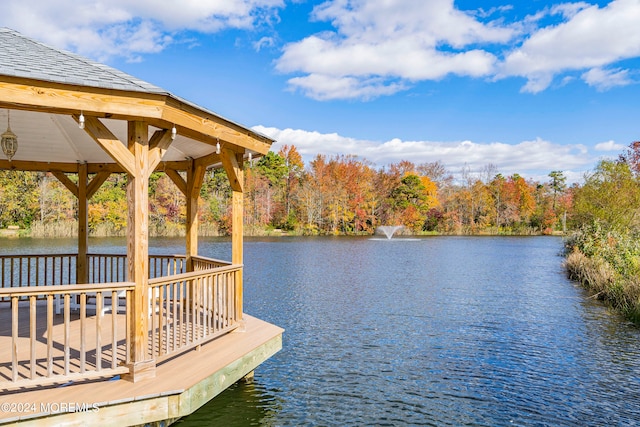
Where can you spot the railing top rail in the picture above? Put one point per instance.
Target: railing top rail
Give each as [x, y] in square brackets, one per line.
[192, 274]
[124, 255]
[203, 258]
[65, 289]
[36, 255]
[167, 256]
[179, 256]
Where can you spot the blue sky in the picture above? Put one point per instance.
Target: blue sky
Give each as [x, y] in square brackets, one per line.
[529, 87]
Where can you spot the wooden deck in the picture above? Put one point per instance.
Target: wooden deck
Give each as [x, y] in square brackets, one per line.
[182, 384]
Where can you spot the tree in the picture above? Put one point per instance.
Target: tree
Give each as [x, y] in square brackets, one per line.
[610, 195]
[19, 198]
[631, 157]
[295, 167]
[558, 185]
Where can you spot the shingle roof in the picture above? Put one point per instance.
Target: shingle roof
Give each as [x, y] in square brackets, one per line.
[21, 56]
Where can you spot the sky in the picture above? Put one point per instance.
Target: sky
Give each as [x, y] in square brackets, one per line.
[529, 87]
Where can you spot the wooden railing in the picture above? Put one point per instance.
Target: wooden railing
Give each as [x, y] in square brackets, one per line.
[46, 349]
[203, 263]
[113, 267]
[189, 309]
[36, 270]
[62, 331]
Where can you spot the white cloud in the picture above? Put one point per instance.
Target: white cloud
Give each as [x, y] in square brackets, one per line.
[609, 146]
[528, 158]
[388, 44]
[379, 47]
[589, 38]
[606, 79]
[127, 28]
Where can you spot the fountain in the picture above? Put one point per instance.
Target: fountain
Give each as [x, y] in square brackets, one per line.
[389, 230]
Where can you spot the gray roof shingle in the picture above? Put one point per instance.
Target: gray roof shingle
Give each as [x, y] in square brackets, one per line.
[21, 56]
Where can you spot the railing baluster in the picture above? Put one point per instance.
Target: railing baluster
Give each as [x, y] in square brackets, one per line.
[67, 332]
[32, 334]
[181, 317]
[162, 336]
[49, 335]
[114, 329]
[98, 331]
[128, 302]
[83, 327]
[14, 338]
[153, 321]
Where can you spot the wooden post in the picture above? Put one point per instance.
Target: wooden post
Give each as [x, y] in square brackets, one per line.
[233, 165]
[140, 365]
[195, 178]
[82, 272]
[237, 246]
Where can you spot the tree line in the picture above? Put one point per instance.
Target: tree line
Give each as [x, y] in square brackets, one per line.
[603, 252]
[342, 194]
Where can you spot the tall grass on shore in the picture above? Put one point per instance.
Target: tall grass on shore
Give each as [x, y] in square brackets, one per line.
[106, 229]
[607, 264]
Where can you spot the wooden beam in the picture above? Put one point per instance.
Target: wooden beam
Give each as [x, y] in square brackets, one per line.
[64, 179]
[181, 165]
[106, 167]
[238, 141]
[233, 167]
[96, 183]
[195, 178]
[208, 160]
[109, 143]
[212, 127]
[177, 180]
[138, 251]
[23, 165]
[237, 233]
[57, 98]
[237, 228]
[82, 272]
[158, 146]
[158, 110]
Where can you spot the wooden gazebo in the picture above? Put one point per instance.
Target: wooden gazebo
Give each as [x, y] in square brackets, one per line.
[96, 315]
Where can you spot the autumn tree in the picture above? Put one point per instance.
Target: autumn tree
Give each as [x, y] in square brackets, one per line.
[631, 157]
[610, 195]
[295, 168]
[19, 204]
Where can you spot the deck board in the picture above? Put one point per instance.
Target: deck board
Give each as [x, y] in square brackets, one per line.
[191, 370]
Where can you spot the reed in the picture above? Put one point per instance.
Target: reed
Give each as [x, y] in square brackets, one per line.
[607, 264]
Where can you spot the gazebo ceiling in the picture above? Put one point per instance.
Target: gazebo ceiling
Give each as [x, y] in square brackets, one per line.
[44, 90]
[49, 138]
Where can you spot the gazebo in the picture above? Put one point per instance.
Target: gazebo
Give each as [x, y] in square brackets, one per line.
[84, 316]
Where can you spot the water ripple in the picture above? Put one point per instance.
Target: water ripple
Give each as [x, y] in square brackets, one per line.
[435, 332]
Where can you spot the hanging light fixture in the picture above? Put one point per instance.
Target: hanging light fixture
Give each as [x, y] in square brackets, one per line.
[218, 147]
[174, 132]
[81, 121]
[9, 140]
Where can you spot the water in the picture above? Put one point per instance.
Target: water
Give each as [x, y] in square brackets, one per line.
[434, 331]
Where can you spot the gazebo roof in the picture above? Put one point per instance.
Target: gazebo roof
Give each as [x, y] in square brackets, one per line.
[47, 89]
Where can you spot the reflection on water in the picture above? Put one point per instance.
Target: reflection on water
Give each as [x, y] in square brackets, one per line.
[439, 331]
[242, 404]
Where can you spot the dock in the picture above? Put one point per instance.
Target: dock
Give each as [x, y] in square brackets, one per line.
[177, 390]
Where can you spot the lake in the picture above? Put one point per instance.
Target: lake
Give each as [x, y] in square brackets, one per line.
[429, 331]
